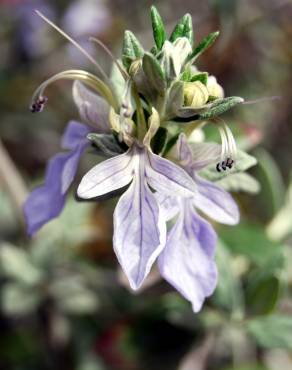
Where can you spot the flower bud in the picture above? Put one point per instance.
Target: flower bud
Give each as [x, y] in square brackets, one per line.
[214, 89]
[195, 94]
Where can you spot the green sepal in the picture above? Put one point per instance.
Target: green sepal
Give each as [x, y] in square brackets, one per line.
[202, 77]
[132, 49]
[106, 143]
[186, 75]
[159, 33]
[170, 143]
[203, 45]
[158, 142]
[184, 28]
[153, 72]
[220, 106]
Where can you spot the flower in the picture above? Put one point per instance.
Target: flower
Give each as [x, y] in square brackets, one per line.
[187, 261]
[137, 118]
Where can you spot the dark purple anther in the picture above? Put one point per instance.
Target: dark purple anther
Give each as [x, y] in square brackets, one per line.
[39, 104]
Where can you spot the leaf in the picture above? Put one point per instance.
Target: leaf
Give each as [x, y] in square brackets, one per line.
[174, 99]
[240, 182]
[271, 179]
[202, 77]
[73, 296]
[274, 331]
[159, 33]
[262, 294]
[220, 106]
[18, 299]
[243, 162]
[203, 45]
[106, 143]
[132, 49]
[153, 72]
[251, 241]
[228, 293]
[281, 225]
[209, 110]
[184, 28]
[15, 264]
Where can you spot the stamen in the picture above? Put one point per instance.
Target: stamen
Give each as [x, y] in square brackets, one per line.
[229, 149]
[116, 62]
[79, 47]
[39, 99]
[260, 100]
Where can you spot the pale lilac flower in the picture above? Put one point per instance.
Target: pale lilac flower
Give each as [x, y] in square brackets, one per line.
[187, 261]
[47, 201]
[139, 223]
[132, 126]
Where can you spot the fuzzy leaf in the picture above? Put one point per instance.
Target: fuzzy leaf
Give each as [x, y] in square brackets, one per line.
[159, 33]
[240, 182]
[132, 49]
[274, 331]
[153, 72]
[220, 106]
[203, 45]
[184, 28]
[243, 162]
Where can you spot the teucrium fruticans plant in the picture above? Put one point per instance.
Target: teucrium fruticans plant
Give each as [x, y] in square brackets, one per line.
[141, 120]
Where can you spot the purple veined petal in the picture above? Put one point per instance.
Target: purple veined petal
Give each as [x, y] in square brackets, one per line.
[93, 109]
[168, 205]
[187, 261]
[216, 202]
[204, 154]
[139, 231]
[168, 178]
[184, 152]
[47, 201]
[74, 134]
[107, 176]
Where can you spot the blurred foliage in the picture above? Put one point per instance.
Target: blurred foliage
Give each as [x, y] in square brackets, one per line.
[64, 302]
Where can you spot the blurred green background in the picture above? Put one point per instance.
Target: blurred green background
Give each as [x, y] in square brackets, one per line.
[64, 302]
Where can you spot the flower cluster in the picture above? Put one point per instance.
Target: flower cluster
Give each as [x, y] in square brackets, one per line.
[142, 119]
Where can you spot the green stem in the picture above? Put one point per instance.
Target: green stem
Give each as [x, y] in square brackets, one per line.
[141, 122]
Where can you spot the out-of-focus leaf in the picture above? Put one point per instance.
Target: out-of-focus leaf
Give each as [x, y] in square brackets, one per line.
[15, 263]
[243, 162]
[73, 296]
[281, 225]
[18, 299]
[202, 77]
[118, 82]
[90, 362]
[228, 293]
[262, 295]
[240, 182]
[273, 188]
[274, 331]
[250, 240]
[159, 33]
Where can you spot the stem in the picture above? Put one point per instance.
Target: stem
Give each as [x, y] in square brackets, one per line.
[141, 122]
[12, 180]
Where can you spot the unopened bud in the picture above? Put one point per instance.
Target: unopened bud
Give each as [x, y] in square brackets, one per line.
[195, 94]
[214, 89]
